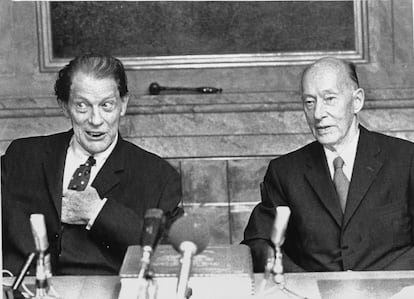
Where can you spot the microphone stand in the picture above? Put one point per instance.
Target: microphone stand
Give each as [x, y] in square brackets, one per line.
[274, 264]
[183, 290]
[152, 287]
[154, 221]
[274, 268]
[147, 286]
[277, 269]
[189, 235]
[44, 288]
[145, 262]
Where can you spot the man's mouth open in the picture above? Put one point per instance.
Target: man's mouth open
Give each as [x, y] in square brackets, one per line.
[95, 135]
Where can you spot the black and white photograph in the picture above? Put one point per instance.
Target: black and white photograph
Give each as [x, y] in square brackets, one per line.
[207, 149]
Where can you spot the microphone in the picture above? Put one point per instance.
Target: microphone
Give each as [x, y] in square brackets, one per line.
[38, 226]
[280, 225]
[278, 238]
[189, 235]
[275, 262]
[153, 227]
[44, 288]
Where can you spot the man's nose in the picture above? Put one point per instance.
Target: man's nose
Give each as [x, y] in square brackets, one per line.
[320, 109]
[95, 117]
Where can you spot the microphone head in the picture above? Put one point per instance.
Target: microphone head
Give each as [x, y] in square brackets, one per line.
[280, 225]
[38, 225]
[153, 227]
[190, 228]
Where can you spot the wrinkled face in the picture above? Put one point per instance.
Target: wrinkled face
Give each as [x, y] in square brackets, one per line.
[95, 109]
[330, 104]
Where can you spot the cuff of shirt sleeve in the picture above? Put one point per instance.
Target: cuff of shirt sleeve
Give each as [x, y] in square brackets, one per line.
[93, 218]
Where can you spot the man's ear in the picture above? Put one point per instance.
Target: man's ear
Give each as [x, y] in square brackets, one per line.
[359, 99]
[124, 104]
[64, 107]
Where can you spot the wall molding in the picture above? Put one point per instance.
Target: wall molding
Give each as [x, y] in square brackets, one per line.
[18, 107]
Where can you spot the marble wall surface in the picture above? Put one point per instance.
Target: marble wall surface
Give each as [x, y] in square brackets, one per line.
[221, 144]
[221, 150]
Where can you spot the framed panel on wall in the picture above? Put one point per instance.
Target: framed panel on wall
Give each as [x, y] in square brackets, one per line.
[206, 34]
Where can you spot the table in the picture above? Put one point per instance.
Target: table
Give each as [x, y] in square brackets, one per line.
[80, 287]
[349, 285]
[321, 285]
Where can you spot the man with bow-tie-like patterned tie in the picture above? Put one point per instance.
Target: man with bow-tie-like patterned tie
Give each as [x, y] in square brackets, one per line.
[350, 192]
[92, 186]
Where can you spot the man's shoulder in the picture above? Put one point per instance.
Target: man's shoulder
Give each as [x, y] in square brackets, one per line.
[390, 141]
[137, 155]
[295, 161]
[137, 150]
[391, 145]
[33, 143]
[298, 155]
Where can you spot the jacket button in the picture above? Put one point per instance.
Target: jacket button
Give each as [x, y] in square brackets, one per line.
[56, 236]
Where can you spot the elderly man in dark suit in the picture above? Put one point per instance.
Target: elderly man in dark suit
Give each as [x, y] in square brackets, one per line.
[92, 186]
[351, 192]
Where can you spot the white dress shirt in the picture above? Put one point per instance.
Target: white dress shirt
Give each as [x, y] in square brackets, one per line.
[75, 156]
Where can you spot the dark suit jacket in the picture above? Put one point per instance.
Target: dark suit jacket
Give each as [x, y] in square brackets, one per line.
[132, 180]
[374, 233]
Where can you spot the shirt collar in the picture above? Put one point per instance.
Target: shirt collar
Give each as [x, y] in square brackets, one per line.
[346, 152]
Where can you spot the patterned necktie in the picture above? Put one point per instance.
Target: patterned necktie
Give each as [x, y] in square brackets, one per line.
[81, 176]
[340, 181]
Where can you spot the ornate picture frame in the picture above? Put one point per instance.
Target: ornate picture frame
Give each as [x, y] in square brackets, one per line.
[49, 61]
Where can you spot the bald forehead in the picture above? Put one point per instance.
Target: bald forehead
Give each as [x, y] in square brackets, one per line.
[330, 64]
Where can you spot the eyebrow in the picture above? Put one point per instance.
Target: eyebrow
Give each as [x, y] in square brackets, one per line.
[306, 95]
[325, 91]
[330, 91]
[102, 100]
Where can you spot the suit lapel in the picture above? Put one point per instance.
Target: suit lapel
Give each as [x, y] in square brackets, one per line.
[109, 175]
[317, 174]
[366, 167]
[53, 167]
